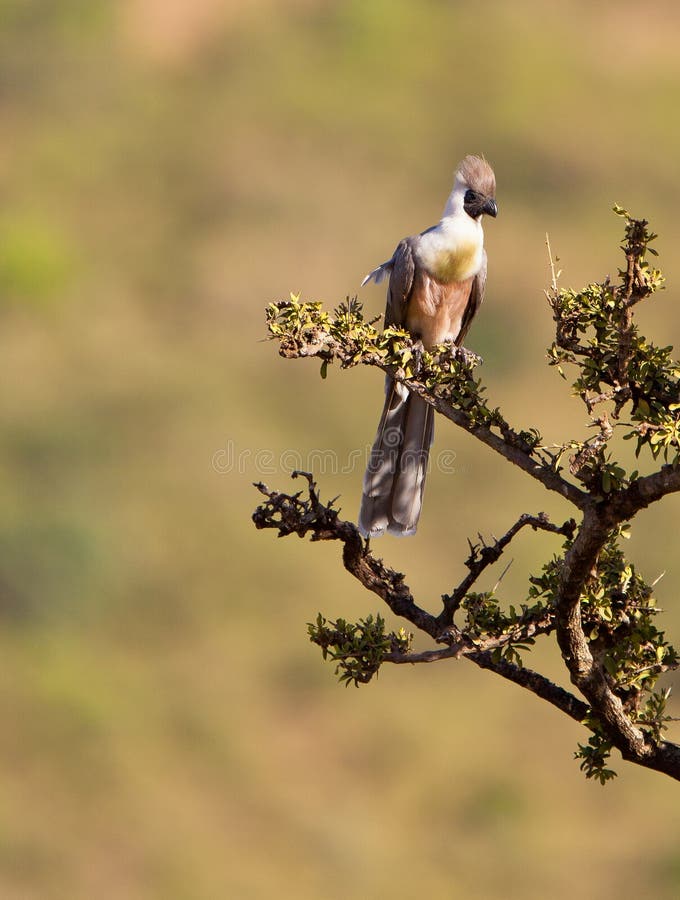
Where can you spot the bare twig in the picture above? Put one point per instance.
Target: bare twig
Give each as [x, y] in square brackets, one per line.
[553, 275]
[483, 556]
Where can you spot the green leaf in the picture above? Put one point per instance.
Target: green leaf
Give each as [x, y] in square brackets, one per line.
[610, 665]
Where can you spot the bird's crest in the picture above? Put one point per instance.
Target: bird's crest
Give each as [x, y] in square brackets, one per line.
[478, 175]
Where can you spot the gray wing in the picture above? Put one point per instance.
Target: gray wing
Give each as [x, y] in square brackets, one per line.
[401, 283]
[474, 302]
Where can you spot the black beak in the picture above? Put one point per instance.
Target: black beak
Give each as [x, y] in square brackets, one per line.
[490, 208]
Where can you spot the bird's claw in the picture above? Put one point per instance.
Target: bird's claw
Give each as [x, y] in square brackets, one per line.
[467, 357]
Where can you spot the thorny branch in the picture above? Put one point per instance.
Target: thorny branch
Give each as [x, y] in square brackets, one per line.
[483, 555]
[358, 342]
[291, 514]
[308, 516]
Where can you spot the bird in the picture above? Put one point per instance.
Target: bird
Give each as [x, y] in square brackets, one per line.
[436, 285]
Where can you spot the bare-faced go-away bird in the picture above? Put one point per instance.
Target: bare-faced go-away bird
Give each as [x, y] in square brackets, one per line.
[436, 285]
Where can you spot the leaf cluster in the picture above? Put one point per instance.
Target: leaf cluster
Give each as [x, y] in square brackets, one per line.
[358, 648]
[595, 754]
[485, 618]
[616, 364]
[303, 328]
[618, 613]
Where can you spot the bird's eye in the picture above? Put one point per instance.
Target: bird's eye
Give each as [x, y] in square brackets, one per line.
[470, 196]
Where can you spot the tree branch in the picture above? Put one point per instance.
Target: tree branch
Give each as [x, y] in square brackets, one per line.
[588, 675]
[508, 446]
[644, 491]
[304, 331]
[290, 514]
[482, 557]
[527, 678]
[533, 681]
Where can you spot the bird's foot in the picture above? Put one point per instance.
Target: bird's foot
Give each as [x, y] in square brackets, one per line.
[467, 357]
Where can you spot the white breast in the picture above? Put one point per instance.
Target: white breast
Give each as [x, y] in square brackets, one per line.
[453, 250]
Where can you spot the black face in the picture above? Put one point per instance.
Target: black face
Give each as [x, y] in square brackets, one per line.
[475, 203]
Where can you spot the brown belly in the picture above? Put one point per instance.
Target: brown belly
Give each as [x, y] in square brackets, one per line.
[435, 310]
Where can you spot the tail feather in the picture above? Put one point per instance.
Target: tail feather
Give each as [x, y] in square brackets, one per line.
[395, 476]
[409, 484]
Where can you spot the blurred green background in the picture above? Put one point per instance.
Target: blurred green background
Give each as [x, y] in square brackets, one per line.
[166, 168]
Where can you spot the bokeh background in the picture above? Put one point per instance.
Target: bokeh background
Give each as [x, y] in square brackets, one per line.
[167, 167]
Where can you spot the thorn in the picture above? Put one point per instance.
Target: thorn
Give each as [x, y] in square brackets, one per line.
[502, 576]
[554, 275]
[657, 579]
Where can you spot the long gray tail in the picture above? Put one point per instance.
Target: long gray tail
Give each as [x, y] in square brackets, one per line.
[395, 476]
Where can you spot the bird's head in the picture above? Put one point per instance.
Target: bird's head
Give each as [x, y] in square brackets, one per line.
[477, 183]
